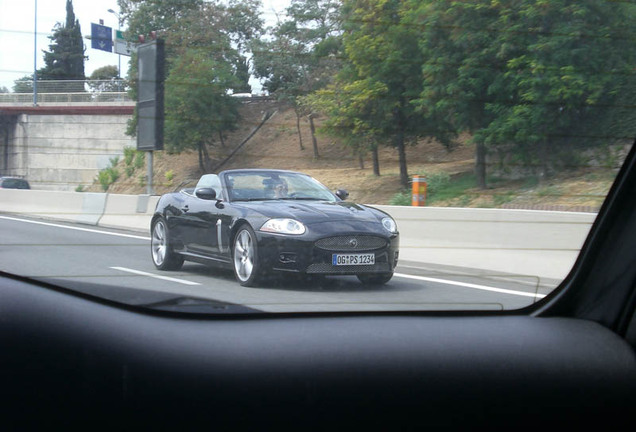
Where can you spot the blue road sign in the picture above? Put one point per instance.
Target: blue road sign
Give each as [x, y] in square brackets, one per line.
[101, 37]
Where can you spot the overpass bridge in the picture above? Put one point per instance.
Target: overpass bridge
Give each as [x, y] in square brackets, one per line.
[61, 137]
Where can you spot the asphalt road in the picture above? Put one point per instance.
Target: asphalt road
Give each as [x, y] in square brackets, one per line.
[116, 265]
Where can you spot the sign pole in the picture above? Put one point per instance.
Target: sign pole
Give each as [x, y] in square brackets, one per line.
[35, 56]
[149, 188]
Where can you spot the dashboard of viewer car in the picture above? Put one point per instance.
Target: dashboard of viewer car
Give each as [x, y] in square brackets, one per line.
[569, 360]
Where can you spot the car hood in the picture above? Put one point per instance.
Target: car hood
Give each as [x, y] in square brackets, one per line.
[309, 212]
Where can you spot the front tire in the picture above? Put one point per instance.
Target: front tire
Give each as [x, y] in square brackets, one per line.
[245, 257]
[375, 278]
[163, 257]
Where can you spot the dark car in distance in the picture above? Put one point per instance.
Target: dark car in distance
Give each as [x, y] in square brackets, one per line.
[261, 221]
[13, 183]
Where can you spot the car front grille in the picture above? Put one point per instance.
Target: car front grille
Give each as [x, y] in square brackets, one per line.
[351, 243]
[326, 268]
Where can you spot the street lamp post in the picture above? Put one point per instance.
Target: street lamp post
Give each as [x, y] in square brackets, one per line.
[35, 55]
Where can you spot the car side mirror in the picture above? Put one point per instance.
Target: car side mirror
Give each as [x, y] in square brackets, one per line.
[206, 193]
[342, 194]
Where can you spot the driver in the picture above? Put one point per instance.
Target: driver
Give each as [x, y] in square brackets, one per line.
[280, 188]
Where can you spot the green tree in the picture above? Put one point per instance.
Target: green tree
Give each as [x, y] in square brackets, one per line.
[575, 55]
[106, 79]
[527, 78]
[206, 56]
[65, 58]
[351, 107]
[199, 107]
[223, 28]
[162, 16]
[243, 24]
[462, 69]
[278, 61]
[386, 60]
[301, 55]
[24, 84]
[167, 18]
[105, 73]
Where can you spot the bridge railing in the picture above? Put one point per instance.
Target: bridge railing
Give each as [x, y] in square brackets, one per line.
[68, 91]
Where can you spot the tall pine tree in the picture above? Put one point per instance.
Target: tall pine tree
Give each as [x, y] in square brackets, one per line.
[65, 58]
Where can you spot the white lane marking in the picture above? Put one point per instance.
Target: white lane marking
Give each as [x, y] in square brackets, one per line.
[469, 285]
[75, 228]
[152, 275]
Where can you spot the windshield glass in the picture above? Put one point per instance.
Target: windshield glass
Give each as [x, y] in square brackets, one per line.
[275, 185]
[310, 155]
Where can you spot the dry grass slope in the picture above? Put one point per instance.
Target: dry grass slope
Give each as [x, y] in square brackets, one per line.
[276, 145]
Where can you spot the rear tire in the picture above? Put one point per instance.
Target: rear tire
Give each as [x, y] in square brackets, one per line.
[375, 278]
[163, 256]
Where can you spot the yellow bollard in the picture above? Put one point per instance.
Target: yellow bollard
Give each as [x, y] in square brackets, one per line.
[419, 191]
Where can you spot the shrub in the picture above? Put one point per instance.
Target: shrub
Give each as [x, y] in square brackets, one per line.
[435, 182]
[401, 199]
[129, 155]
[109, 175]
[113, 173]
[103, 177]
[140, 158]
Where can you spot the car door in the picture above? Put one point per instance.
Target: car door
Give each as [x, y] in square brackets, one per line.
[201, 228]
[197, 226]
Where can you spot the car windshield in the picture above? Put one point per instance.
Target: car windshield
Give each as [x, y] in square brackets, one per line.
[254, 186]
[310, 155]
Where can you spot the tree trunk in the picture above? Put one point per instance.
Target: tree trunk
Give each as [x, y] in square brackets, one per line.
[312, 127]
[400, 145]
[360, 160]
[204, 158]
[201, 167]
[480, 165]
[221, 139]
[398, 117]
[300, 136]
[376, 161]
[543, 160]
[404, 175]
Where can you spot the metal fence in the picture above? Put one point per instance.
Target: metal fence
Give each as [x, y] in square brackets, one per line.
[77, 91]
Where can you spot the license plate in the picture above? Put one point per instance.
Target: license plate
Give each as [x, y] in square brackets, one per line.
[352, 259]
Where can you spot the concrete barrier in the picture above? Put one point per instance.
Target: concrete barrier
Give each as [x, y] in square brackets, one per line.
[102, 209]
[129, 211]
[67, 206]
[529, 243]
[535, 245]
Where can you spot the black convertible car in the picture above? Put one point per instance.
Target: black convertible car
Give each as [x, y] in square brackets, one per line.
[260, 221]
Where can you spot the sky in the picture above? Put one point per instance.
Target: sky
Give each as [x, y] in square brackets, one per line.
[18, 30]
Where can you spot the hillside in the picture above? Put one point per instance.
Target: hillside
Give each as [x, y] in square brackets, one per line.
[276, 145]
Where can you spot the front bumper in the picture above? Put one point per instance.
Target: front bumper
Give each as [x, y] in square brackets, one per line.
[314, 255]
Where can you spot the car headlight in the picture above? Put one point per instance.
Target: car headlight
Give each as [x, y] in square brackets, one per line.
[389, 224]
[284, 226]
